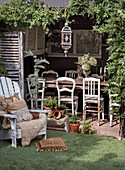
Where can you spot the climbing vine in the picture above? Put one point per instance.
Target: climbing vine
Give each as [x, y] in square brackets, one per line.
[108, 16]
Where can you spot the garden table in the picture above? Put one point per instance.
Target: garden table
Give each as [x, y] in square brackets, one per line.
[79, 84]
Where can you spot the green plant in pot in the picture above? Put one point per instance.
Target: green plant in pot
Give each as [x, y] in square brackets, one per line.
[86, 62]
[74, 124]
[86, 127]
[50, 103]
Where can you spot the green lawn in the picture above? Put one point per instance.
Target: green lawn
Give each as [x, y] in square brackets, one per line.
[85, 152]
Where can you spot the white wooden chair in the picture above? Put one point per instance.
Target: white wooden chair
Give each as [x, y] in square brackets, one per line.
[71, 73]
[65, 88]
[112, 105]
[9, 88]
[91, 98]
[40, 92]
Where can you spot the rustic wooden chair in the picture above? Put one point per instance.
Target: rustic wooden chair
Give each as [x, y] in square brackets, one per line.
[47, 73]
[71, 73]
[66, 98]
[50, 75]
[91, 98]
[40, 93]
[9, 88]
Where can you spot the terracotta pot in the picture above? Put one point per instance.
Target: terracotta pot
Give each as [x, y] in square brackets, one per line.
[56, 114]
[46, 108]
[74, 127]
[86, 132]
[35, 115]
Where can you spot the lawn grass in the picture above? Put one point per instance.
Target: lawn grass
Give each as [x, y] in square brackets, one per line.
[85, 152]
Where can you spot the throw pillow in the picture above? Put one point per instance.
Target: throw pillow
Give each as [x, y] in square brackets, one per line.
[20, 109]
[51, 144]
[2, 108]
[4, 101]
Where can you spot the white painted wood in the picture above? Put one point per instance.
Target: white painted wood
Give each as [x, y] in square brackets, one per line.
[40, 92]
[16, 88]
[1, 91]
[10, 86]
[4, 87]
[71, 99]
[15, 132]
[91, 94]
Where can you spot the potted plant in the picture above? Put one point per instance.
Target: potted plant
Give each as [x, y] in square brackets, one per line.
[86, 127]
[86, 62]
[74, 124]
[50, 104]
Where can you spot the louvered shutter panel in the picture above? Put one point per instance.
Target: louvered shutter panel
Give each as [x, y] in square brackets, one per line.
[11, 47]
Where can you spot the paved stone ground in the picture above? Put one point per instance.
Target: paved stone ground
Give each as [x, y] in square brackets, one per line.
[105, 129]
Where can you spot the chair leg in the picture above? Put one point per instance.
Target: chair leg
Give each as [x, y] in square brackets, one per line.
[102, 107]
[84, 113]
[98, 114]
[72, 109]
[13, 127]
[111, 119]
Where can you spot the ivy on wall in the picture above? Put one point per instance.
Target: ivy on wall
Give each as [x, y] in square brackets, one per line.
[109, 17]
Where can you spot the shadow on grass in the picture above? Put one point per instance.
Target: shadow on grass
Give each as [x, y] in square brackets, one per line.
[84, 152]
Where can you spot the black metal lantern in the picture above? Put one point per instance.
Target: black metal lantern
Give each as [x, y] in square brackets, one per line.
[66, 38]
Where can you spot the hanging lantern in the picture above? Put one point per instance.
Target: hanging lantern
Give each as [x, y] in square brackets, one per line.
[66, 36]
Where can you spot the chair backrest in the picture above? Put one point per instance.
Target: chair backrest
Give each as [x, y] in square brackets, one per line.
[46, 74]
[8, 87]
[40, 91]
[65, 84]
[71, 73]
[91, 88]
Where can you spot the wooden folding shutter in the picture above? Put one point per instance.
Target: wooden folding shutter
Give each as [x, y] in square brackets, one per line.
[11, 47]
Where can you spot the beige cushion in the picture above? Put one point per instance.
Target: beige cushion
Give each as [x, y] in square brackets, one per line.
[20, 109]
[4, 101]
[51, 144]
[2, 108]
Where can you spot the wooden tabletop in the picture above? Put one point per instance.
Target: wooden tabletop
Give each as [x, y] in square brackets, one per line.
[79, 83]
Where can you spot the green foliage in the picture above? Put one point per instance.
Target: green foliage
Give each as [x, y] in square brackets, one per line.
[3, 69]
[62, 107]
[86, 61]
[86, 127]
[50, 102]
[74, 119]
[28, 13]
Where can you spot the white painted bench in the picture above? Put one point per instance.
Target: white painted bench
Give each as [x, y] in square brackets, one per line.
[9, 88]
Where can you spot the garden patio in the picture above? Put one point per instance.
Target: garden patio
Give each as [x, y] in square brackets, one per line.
[32, 48]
